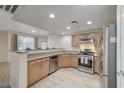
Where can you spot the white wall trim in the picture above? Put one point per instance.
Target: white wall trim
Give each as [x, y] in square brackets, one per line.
[118, 60]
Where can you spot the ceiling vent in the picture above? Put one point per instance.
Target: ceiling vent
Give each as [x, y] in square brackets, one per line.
[9, 8]
[74, 22]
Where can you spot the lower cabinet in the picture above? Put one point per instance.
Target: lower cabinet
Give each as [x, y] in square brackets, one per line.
[34, 71]
[37, 69]
[68, 60]
[96, 65]
[45, 66]
[64, 60]
[75, 61]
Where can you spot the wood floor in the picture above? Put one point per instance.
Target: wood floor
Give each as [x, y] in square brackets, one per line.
[4, 74]
[63, 78]
[69, 78]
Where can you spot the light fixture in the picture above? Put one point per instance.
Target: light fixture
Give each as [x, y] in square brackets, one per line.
[33, 31]
[52, 16]
[122, 15]
[63, 33]
[68, 27]
[89, 22]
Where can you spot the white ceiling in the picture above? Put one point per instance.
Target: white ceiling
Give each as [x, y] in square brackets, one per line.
[7, 24]
[38, 16]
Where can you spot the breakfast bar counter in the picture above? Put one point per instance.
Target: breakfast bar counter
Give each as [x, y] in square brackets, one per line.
[19, 61]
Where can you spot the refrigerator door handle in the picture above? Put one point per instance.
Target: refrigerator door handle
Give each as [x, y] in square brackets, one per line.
[118, 73]
[122, 73]
[105, 54]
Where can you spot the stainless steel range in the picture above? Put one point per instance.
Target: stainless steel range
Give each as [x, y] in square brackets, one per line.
[85, 63]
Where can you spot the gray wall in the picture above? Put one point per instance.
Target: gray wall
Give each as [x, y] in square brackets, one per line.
[7, 44]
[3, 46]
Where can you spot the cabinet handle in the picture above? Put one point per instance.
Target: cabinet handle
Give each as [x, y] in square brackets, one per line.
[35, 64]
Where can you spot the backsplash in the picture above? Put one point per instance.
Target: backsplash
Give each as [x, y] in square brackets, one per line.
[87, 46]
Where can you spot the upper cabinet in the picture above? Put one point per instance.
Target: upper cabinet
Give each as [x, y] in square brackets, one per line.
[75, 41]
[96, 36]
[97, 39]
[86, 35]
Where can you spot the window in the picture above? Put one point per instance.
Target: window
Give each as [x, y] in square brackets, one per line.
[44, 45]
[26, 43]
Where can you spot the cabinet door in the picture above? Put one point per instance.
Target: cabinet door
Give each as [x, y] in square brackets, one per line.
[65, 61]
[60, 59]
[45, 67]
[75, 61]
[34, 71]
[96, 65]
[75, 41]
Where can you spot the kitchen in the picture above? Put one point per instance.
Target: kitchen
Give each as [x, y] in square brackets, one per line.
[52, 60]
[34, 58]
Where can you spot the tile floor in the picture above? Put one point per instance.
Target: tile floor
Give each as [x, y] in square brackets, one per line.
[69, 78]
[63, 78]
[4, 74]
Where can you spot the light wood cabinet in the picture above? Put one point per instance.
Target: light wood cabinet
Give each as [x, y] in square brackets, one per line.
[75, 61]
[64, 60]
[45, 67]
[96, 65]
[75, 41]
[37, 69]
[34, 71]
[68, 60]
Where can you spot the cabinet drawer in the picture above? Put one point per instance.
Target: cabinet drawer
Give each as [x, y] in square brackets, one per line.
[35, 62]
[45, 59]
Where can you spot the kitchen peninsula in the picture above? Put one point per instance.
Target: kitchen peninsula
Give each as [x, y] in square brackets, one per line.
[32, 66]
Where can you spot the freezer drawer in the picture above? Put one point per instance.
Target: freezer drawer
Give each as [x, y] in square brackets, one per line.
[120, 79]
[105, 81]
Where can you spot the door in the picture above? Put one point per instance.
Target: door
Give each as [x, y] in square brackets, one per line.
[75, 61]
[96, 64]
[35, 72]
[45, 67]
[65, 60]
[120, 47]
[75, 41]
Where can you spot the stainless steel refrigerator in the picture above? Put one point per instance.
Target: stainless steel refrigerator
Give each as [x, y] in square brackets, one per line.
[109, 56]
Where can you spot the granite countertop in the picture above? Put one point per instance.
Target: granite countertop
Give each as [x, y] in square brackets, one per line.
[32, 55]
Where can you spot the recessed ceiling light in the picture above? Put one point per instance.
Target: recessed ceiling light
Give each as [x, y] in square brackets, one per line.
[68, 27]
[63, 33]
[33, 31]
[52, 16]
[89, 22]
[123, 15]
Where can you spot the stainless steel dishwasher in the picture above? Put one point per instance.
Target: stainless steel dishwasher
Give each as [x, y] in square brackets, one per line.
[53, 63]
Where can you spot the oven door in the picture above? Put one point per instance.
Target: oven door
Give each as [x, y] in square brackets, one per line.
[85, 62]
